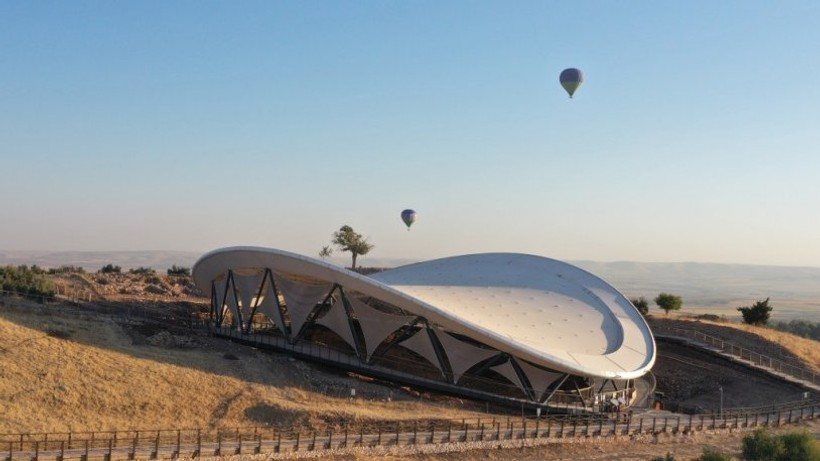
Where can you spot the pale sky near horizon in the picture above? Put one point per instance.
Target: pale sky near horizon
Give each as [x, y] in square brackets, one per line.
[193, 125]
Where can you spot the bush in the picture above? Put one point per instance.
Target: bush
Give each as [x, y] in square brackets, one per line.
[176, 271]
[802, 328]
[26, 280]
[66, 270]
[142, 271]
[110, 269]
[799, 446]
[710, 454]
[791, 446]
[760, 446]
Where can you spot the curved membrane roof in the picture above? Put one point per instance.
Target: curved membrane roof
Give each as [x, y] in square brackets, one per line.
[547, 312]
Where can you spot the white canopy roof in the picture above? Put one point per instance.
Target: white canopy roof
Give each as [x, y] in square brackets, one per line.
[541, 310]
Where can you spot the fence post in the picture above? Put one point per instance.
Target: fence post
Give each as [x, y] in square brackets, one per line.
[62, 450]
[537, 429]
[155, 455]
[179, 442]
[219, 443]
[482, 432]
[449, 432]
[345, 437]
[433, 433]
[37, 450]
[330, 438]
[198, 444]
[298, 436]
[84, 456]
[313, 443]
[466, 427]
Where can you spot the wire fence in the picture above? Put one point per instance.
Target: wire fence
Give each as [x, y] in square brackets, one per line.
[193, 443]
[756, 358]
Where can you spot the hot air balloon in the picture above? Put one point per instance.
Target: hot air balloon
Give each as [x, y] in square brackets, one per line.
[409, 217]
[571, 79]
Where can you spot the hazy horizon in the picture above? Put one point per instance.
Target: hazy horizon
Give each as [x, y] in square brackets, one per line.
[705, 287]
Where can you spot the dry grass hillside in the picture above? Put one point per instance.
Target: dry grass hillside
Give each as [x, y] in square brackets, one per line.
[84, 372]
[776, 344]
[63, 369]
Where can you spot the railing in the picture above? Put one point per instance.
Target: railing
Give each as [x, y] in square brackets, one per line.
[764, 361]
[277, 442]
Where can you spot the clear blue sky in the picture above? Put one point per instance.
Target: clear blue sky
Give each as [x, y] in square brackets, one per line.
[192, 125]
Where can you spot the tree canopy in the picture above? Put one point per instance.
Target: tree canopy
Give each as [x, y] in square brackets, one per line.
[641, 304]
[669, 302]
[26, 280]
[756, 314]
[346, 239]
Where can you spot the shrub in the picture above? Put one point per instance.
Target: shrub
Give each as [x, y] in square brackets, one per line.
[710, 454]
[27, 281]
[142, 271]
[177, 271]
[760, 446]
[66, 269]
[110, 269]
[799, 446]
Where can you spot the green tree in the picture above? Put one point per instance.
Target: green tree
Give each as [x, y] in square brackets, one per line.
[756, 314]
[346, 239]
[641, 304]
[669, 302]
[760, 446]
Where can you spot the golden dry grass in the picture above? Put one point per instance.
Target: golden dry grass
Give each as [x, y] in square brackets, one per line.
[807, 350]
[96, 379]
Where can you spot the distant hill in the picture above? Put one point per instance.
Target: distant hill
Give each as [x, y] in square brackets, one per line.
[91, 261]
[718, 288]
[705, 287]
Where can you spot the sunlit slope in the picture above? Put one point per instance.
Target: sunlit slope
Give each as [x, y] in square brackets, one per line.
[66, 373]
